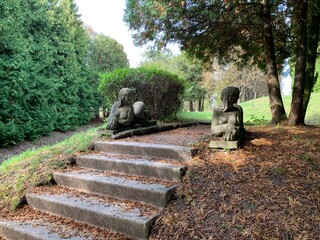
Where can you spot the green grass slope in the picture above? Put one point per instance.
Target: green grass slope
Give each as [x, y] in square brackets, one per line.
[257, 111]
[35, 167]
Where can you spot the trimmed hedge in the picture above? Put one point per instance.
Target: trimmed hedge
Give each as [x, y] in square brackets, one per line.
[161, 91]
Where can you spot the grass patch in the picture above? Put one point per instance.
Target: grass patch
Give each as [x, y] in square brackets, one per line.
[279, 171]
[305, 157]
[35, 167]
[257, 111]
[195, 116]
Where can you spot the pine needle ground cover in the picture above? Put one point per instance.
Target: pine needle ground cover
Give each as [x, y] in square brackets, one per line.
[268, 189]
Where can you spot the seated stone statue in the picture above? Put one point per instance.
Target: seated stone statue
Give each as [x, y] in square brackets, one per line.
[123, 114]
[227, 120]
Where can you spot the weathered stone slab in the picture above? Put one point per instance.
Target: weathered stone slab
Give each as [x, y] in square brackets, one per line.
[30, 230]
[147, 150]
[142, 130]
[133, 166]
[154, 194]
[149, 124]
[97, 213]
[224, 144]
[133, 132]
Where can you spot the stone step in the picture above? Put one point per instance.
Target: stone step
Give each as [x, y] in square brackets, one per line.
[119, 187]
[133, 166]
[30, 230]
[147, 150]
[129, 221]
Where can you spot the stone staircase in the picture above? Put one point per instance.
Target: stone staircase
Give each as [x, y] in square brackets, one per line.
[122, 186]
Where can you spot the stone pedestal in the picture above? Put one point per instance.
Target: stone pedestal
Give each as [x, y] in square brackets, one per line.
[108, 133]
[220, 144]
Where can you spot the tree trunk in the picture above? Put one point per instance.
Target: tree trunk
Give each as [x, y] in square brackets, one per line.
[296, 114]
[200, 104]
[202, 109]
[312, 44]
[191, 108]
[276, 104]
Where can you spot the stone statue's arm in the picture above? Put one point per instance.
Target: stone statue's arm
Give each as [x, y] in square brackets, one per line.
[227, 127]
[240, 116]
[216, 128]
[112, 120]
[215, 117]
[129, 117]
[113, 111]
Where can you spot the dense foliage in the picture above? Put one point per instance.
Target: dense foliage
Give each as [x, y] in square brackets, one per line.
[46, 83]
[161, 91]
[188, 68]
[107, 54]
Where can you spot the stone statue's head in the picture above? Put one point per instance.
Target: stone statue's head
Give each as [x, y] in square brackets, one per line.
[229, 96]
[124, 95]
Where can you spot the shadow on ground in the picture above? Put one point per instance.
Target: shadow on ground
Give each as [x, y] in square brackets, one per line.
[268, 189]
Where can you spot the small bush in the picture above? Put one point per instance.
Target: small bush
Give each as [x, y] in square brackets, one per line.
[254, 120]
[162, 92]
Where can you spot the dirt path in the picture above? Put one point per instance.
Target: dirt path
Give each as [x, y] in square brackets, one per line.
[55, 137]
[184, 136]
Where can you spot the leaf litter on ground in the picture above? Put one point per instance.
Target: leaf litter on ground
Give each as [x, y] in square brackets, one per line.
[267, 189]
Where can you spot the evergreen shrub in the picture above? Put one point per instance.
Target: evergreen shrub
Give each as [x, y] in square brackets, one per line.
[45, 82]
[161, 91]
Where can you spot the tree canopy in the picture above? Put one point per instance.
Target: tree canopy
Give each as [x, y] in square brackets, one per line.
[207, 29]
[263, 31]
[106, 54]
[186, 67]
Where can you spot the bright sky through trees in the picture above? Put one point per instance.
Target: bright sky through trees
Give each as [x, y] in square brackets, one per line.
[105, 16]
